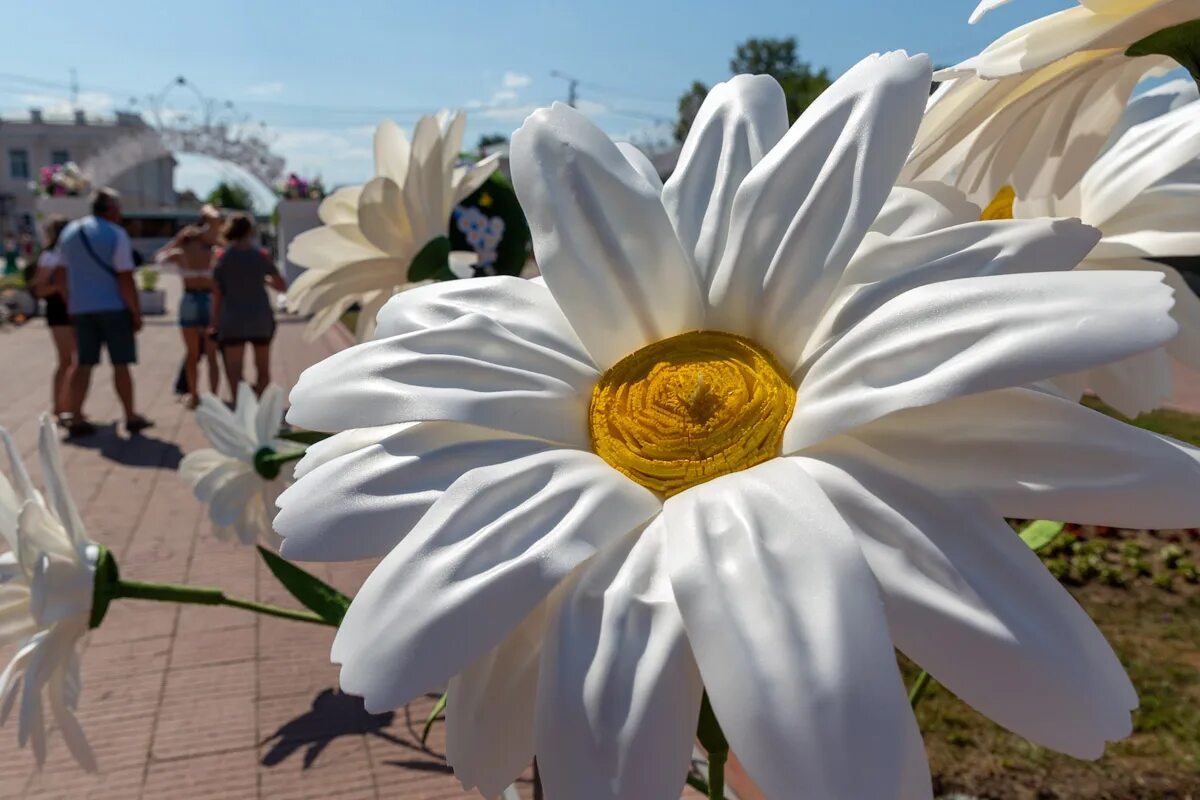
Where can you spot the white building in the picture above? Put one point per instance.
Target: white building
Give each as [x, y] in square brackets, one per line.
[27, 145]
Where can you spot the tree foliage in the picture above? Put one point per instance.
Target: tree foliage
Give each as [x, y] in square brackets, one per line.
[232, 196]
[778, 58]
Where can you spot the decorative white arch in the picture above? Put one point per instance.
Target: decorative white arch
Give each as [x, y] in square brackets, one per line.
[248, 151]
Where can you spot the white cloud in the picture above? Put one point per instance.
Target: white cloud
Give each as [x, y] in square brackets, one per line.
[503, 96]
[516, 80]
[266, 89]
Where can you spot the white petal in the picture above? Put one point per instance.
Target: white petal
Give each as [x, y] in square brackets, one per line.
[340, 207]
[971, 603]
[974, 334]
[1146, 153]
[230, 499]
[1132, 385]
[1035, 456]
[638, 160]
[341, 444]
[245, 411]
[487, 552]
[270, 414]
[471, 370]
[383, 218]
[331, 247]
[61, 588]
[40, 533]
[467, 180]
[391, 151]
[206, 470]
[524, 307]
[68, 725]
[490, 709]
[984, 7]
[786, 624]
[886, 267]
[922, 207]
[738, 123]
[223, 429]
[1161, 221]
[54, 477]
[602, 238]
[802, 211]
[424, 186]
[361, 504]
[619, 691]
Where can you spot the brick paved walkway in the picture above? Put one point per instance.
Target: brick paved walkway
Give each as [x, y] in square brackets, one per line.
[198, 702]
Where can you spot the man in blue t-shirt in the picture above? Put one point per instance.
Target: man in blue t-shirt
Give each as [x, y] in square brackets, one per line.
[103, 302]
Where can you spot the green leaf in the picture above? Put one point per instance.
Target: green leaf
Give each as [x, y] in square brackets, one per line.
[432, 261]
[1038, 535]
[104, 585]
[312, 592]
[305, 437]
[438, 708]
[1180, 42]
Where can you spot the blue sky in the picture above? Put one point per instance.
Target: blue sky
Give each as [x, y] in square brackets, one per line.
[321, 75]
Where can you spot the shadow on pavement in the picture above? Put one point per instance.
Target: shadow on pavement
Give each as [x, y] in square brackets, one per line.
[333, 714]
[139, 450]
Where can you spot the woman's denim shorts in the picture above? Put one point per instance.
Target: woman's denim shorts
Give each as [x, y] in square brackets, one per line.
[194, 309]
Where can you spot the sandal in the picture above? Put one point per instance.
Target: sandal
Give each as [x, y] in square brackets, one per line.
[79, 427]
[137, 424]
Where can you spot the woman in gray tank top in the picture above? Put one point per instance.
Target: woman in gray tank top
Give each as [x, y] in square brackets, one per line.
[241, 310]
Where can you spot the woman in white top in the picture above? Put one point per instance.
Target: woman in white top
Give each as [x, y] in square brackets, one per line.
[50, 283]
[193, 251]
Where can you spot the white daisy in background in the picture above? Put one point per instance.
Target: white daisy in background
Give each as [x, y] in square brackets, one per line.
[226, 477]
[1064, 78]
[46, 580]
[754, 429]
[1142, 194]
[372, 233]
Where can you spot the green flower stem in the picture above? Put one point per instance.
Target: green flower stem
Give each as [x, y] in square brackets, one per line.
[268, 463]
[716, 774]
[204, 596]
[709, 732]
[919, 688]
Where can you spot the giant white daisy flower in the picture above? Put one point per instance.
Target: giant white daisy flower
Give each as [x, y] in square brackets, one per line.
[1035, 107]
[226, 477]
[754, 429]
[46, 581]
[1142, 194]
[372, 233]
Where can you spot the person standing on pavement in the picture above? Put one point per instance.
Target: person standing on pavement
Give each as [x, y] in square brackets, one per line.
[241, 309]
[102, 300]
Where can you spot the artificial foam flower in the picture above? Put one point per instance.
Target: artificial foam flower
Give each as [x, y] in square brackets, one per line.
[46, 580]
[754, 429]
[372, 233]
[224, 477]
[1142, 194]
[1063, 78]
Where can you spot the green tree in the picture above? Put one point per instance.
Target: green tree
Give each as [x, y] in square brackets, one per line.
[766, 56]
[231, 195]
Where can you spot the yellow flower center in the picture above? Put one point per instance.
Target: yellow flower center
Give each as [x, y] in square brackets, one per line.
[1001, 206]
[690, 408]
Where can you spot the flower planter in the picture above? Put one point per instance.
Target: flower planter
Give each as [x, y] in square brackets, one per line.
[153, 303]
[295, 217]
[70, 207]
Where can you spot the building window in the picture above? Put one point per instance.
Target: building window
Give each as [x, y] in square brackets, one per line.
[59, 156]
[18, 164]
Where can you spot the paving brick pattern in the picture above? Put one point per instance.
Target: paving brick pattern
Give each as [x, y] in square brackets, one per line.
[197, 702]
